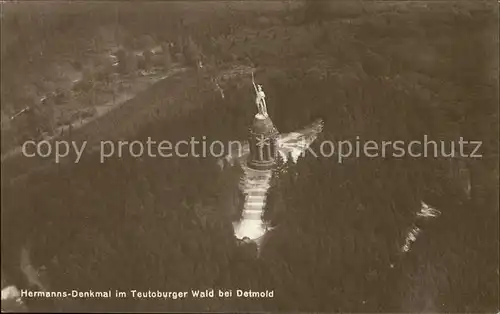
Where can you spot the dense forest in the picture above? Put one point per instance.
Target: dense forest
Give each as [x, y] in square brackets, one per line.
[378, 71]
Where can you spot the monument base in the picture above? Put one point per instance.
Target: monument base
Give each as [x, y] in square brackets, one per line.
[260, 116]
[261, 165]
[262, 142]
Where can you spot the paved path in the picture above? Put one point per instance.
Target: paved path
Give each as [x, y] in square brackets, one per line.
[254, 185]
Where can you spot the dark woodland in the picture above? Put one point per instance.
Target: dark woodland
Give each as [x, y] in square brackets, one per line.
[377, 70]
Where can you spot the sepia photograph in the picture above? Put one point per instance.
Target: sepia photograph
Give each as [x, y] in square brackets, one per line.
[250, 156]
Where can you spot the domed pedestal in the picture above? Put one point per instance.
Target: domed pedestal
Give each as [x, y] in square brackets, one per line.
[263, 136]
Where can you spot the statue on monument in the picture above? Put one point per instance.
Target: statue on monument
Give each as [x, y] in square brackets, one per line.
[260, 100]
